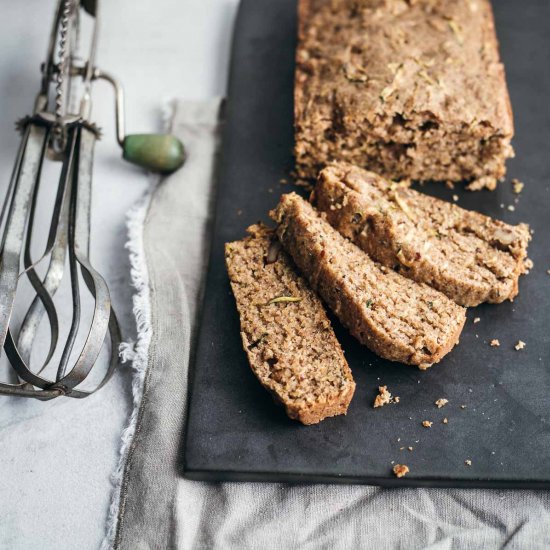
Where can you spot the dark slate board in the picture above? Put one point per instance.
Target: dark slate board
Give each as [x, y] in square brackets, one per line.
[235, 432]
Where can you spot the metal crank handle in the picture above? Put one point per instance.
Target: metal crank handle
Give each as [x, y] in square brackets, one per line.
[161, 153]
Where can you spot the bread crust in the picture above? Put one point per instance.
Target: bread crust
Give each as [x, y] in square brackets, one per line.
[289, 341]
[397, 318]
[406, 89]
[469, 257]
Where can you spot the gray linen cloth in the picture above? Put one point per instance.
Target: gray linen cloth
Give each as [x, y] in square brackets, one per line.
[159, 509]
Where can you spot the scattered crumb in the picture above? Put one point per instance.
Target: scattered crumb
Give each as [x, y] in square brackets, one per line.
[401, 470]
[384, 397]
[482, 183]
[548, 271]
[494, 343]
[528, 263]
[283, 181]
[441, 402]
[445, 420]
[455, 198]
[468, 462]
[517, 186]
[477, 320]
[239, 212]
[427, 424]
[519, 345]
[401, 448]
[410, 448]
[462, 406]
[450, 185]
[425, 366]
[511, 207]
[270, 190]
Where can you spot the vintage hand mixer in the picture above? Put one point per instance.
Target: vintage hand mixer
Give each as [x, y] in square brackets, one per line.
[59, 131]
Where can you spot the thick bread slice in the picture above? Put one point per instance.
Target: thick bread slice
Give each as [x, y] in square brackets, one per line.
[468, 256]
[395, 317]
[285, 331]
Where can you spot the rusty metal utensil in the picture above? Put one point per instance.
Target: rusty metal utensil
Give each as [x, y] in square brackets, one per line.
[60, 132]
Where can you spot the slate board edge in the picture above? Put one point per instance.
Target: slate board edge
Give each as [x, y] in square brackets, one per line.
[233, 475]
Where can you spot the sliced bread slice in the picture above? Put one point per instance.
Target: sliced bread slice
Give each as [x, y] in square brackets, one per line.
[289, 341]
[470, 257]
[395, 317]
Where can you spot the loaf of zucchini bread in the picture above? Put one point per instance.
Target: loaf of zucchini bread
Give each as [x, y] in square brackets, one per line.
[470, 257]
[407, 89]
[289, 341]
[397, 318]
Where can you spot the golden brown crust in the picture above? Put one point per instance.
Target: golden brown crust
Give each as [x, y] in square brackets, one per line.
[286, 334]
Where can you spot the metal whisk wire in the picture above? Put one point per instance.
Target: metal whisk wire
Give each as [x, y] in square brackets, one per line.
[55, 133]
[68, 239]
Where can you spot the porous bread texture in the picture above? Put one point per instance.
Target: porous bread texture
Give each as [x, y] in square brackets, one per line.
[289, 341]
[395, 317]
[470, 257]
[408, 89]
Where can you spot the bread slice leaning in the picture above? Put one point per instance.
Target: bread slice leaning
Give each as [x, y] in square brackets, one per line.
[395, 317]
[289, 341]
[468, 256]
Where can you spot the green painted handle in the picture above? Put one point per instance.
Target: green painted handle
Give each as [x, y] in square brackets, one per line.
[157, 152]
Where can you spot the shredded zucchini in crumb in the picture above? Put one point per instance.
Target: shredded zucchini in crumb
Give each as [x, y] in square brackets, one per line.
[283, 299]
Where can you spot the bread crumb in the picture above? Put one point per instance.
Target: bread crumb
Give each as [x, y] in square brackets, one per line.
[462, 406]
[477, 320]
[495, 343]
[445, 420]
[528, 263]
[441, 402]
[455, 198]
[482, 183]
[401, 470]
[519, 345]
[427, 424]
[449, 185]
[511, 207]
[410, 448]
[468, 462]
[384, 397]
[239, 212]
[548, 271]
[425, 366]
[517, 186]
